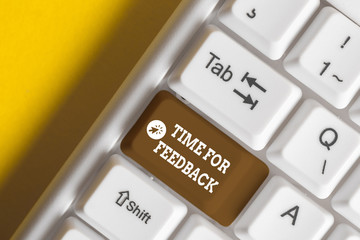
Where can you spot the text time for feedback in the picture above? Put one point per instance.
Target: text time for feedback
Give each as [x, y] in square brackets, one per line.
[187, 167]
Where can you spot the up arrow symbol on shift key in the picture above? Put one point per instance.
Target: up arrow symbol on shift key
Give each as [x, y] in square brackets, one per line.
[124, 195]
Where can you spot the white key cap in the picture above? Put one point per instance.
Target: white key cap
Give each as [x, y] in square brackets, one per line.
[350, 8]
[125, 204]
[326, 59]
[347, 200]
[74, 234]
[282, 212]
[316, 149]
[268, 25]
[198, 228]
[73, 229]
[344, 232]
[235, 88]
[354, 111]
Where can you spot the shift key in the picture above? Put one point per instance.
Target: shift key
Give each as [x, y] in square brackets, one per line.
[194, 158]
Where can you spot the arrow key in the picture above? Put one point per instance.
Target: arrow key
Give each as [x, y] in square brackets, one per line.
[123, 203]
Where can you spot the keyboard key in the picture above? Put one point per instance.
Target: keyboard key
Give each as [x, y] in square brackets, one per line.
[326, 59]
[123, 203]
[346, 200]
[235, 88]
[316, 149]
[194, 158]
[74, 234]
[198, 228]
[350, 8]
[268, 25]
[282, 212]
[344, 232]
[73, 229]
[354, 111]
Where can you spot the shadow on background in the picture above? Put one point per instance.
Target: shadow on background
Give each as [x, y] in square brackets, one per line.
[125, 45]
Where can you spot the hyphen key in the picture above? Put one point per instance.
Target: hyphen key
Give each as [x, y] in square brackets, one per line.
[194, 158]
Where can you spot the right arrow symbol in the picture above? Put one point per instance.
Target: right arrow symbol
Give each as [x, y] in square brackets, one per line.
[247, 99]
[123, 197]
[252, 82]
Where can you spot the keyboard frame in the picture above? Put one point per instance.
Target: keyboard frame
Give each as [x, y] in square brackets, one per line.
[149, 76]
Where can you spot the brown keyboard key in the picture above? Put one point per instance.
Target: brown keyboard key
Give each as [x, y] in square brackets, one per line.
[194, 158]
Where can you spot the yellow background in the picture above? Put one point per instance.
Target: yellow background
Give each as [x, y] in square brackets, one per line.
[60, 63]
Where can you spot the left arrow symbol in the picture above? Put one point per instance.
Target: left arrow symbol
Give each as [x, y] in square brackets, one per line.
[125, 195]
[252, 82]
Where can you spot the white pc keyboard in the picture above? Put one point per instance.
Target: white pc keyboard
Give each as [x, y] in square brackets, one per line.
[242, 121]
